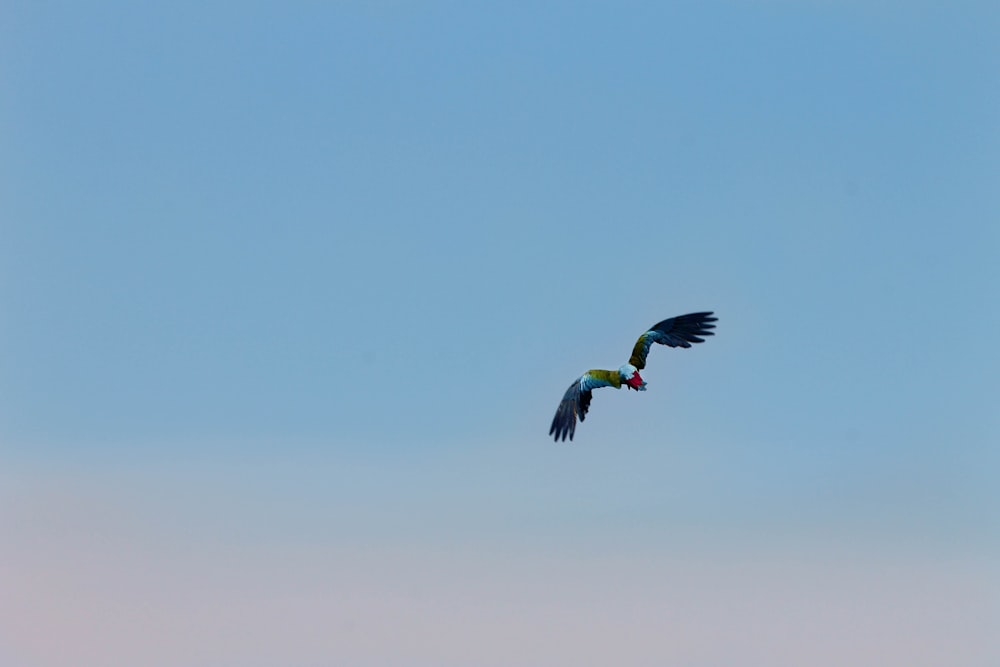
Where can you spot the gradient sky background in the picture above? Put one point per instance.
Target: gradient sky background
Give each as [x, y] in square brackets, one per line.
[290, 292]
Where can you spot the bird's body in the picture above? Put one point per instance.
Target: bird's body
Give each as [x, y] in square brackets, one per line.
[680, 331]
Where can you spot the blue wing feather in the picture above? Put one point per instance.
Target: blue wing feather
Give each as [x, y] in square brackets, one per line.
[574, 405]
[680, 331]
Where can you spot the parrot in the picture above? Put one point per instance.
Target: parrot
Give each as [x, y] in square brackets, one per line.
[680, 331]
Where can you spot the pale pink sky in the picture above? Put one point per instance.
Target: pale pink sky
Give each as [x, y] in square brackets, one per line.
[92, 575]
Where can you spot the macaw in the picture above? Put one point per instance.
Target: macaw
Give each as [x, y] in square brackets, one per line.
[678, 331]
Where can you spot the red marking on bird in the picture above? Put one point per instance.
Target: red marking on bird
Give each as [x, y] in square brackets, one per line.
[635, 381]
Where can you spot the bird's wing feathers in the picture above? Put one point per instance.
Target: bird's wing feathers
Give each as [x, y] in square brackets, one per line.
[576, 402]
[678, 331]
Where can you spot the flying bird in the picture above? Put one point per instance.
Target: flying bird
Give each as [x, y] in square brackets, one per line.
[678, 331]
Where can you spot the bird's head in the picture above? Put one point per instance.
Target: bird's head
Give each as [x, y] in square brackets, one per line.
[631, 378]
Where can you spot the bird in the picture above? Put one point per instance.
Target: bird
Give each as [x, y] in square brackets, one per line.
[680, 331]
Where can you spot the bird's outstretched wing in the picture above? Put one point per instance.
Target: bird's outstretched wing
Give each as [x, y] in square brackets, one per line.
[576, 401]
[678, 331]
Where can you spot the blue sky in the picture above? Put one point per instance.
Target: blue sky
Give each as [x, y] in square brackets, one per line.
[283, 284]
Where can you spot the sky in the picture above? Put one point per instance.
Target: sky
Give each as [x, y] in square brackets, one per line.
[289, 293]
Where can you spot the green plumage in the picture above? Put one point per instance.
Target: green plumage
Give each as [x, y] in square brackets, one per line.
[641, 349]
[612, 378]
